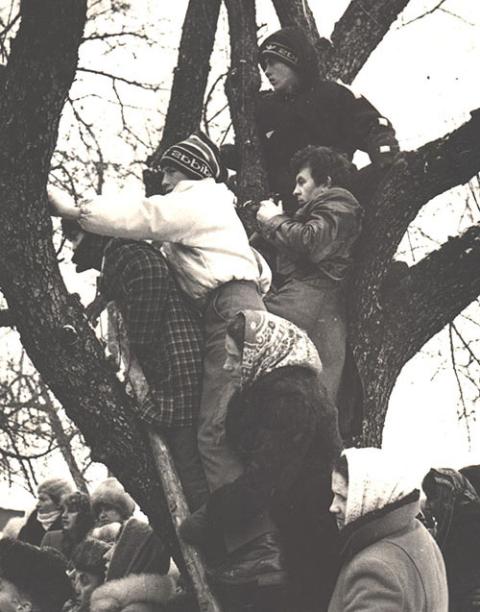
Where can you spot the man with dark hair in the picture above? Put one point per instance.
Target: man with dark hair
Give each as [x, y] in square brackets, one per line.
[314, 250]
[31, 579]
[303, 109]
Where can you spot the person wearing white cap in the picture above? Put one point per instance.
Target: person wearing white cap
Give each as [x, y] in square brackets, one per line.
[389, 561]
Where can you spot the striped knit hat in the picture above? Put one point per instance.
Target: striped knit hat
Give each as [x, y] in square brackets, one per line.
[281, 46]
[197, 157]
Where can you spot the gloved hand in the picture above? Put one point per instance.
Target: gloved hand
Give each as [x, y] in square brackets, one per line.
[269, 209]
[383, 149]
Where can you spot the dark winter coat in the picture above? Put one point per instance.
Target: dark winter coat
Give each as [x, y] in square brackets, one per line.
[321, 113]
[390, 563]
[456, 509]
[33, 531]
[285, 431]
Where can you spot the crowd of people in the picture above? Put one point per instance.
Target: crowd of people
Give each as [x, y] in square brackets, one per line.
[242, 340]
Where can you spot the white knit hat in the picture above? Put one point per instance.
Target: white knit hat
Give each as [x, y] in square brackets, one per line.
[375, 478]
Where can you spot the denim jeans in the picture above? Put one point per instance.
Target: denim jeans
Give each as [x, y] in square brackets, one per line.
[316, 306]
[219, 462]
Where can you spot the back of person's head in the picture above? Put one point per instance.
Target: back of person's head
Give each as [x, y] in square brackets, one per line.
[38, 574]
[111, 492]
[197, 157]
[472, 474]
[291, 46]
[56, 489]
[326, 166]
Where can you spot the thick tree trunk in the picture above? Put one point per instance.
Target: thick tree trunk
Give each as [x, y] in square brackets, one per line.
[242, 85]
[51, 323]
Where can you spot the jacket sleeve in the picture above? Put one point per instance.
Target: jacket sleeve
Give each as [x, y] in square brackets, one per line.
[171, 217]
[372, 584]
[366, 127]
[316, 238]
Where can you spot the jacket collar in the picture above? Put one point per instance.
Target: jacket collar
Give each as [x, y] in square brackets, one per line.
[187, 184]
[374, 526]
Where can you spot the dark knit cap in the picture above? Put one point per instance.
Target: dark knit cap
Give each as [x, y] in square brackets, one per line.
[197, 157]
[89, 556]
[111, 492]
[38, 573]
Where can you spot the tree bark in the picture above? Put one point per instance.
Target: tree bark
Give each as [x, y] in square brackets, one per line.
[51, 323]
[242, 85]
[357, 34]
[190, 79]
[389, 324]
[6, 318]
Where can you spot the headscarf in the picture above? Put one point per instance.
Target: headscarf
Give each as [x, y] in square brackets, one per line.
[375, 479]
[272, 342]
[447, 490]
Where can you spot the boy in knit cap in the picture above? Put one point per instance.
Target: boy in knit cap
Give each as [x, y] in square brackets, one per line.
[303, 109]
[208, 252]
[389, 559]
[31, 579]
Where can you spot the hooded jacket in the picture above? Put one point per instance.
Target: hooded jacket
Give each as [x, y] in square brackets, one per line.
[391, 563]
[321, 113]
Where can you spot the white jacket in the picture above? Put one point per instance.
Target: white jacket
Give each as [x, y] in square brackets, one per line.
[203, 239]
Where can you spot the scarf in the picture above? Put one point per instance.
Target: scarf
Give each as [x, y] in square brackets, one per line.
[272, 342]
[375, 479]
[46, 519]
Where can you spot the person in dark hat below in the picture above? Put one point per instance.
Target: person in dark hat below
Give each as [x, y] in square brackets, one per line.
[164, 335]
[47, 515]
[389, 561]
[31, 579]
[453, 507]
[89, 569]
[77, 522]
[207, 249]
[314, 250]
[302, 109]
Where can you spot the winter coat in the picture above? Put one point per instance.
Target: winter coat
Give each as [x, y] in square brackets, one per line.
[321, 113]
[390, 563]
[135, 593]
[137, 551]
[203, 239]
[317, 241]
[33, 531]
[285, 431]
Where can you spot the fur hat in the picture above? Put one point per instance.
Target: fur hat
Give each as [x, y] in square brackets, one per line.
[56, 488]
[89, 556]
[142, 591]
[111, 492]
[197, 157]
[39, 573]
[77, 502]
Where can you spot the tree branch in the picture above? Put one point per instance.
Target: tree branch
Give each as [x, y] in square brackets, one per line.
[190, 75]
[437, 289]
[242, 85]
[358, 33]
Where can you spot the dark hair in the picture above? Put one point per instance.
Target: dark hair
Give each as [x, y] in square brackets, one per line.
[79, 502]
[340, 465]
[325, 163]
[236, 330]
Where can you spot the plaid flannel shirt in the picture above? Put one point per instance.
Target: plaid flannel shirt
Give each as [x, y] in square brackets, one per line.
[163, 333]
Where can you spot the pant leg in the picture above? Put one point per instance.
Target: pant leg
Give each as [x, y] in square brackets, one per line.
[183, 447]
[220, 463]
[317, 307]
